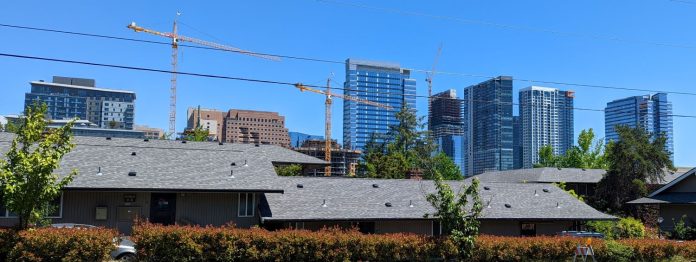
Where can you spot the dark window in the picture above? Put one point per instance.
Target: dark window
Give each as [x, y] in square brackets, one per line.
[246, 205]
[528, 229]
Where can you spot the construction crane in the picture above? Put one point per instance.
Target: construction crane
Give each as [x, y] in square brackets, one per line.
[429, 79]
[327, 125]
[176, 38]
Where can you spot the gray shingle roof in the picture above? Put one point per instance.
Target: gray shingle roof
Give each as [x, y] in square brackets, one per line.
[667, 198]
[544, 175]
[172, 165]
[355, 199]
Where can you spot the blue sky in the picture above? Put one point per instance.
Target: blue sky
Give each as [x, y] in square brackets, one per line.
[336, 31]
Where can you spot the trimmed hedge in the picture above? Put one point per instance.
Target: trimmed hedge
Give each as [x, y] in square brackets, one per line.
[8, 239]
[192, 243]
[63, 244]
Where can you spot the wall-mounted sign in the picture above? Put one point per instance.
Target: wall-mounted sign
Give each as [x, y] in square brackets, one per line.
[101, 213]
[129, 198]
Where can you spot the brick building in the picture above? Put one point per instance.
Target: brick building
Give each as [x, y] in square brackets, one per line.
[241, 126]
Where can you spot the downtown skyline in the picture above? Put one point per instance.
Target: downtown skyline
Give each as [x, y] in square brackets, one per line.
[304, 112]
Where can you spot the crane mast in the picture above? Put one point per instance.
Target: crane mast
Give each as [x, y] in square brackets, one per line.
[429, 79]
[175, 37]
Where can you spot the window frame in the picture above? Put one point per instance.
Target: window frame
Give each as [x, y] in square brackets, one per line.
[239, 204]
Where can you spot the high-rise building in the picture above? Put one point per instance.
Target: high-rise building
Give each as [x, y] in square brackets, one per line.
[297, 138]
[650, 112]
[546, 119]
[68, 97]
[446, 127]
[384, 83]
[516, 143]
[487, 117]
[241, 126]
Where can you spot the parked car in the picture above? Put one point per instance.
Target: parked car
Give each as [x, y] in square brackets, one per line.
[125, 250]
[581, 234]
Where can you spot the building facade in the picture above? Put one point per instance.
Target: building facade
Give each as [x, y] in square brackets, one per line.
[516, 143]
[650, 112]
[68, 97]
[344, 162]
[150, 132]
[384, 83]
[297, 138]
[241, 126]
[446, 126]
[546, 119]
[487, 117]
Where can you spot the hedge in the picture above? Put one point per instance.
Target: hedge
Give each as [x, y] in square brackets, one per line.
[193, 243]
[61, 244]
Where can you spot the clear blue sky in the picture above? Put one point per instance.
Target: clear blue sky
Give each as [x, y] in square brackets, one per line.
[334, 31]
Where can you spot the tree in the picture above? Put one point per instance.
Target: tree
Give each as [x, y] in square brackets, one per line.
[636, 158]
[443, 165]
[458, 214]
[546, 157]
[112, 124]
[289, 170]
[198, 134]
[589, 153]
[26, 175]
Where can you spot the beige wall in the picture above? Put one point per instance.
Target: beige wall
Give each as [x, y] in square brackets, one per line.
[672, 213]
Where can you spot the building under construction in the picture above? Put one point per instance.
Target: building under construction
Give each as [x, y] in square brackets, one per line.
[344, 162]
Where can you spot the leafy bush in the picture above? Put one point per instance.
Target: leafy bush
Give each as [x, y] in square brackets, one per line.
[63, 244]
[614, 251]
[682, 231]
[625, 228]
[8, 238]
[193, 243]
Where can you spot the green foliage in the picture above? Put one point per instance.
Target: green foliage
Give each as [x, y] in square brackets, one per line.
[681, 231]
[458, 213]
[198, 134]
[589, 153]
[289, 170]
[636, 158]
[12, 127]
[443, 164]
[8, 239]
[623, 229]
[26, 175]
[562, 185]
[615, 251]
[192, 243]
[63, 244]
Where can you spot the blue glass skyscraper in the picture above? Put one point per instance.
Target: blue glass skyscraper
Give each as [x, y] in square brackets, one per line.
[650, 112]
[487, 117]
[546, 119]
[384, 83]
[446, 127]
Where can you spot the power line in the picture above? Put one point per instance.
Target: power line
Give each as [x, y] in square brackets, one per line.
[342, 62]
[510, 27]
[268, 81]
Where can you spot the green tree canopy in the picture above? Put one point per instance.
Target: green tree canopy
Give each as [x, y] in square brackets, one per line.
[589, 153]
[636, 158]
[27, 181]
[289, 170]
[198, 134]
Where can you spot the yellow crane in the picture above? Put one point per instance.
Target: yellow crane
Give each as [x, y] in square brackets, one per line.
[327, 125]
[174, 35]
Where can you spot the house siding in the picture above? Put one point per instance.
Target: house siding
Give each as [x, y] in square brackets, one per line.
[214, 209]
[424, 227]
[688, 185]
[671, 213]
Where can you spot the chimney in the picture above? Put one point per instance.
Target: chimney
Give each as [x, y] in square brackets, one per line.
[415, 174]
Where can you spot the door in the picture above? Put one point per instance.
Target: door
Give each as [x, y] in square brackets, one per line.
[163, 208]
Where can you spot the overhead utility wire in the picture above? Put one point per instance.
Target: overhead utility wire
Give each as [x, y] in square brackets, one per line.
[342, 62]
[508, 26]
[257, 80]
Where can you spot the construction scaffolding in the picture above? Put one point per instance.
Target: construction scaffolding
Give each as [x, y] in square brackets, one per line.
[343, 161]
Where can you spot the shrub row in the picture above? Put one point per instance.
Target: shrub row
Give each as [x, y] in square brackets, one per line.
[192, 243]
[57, 244]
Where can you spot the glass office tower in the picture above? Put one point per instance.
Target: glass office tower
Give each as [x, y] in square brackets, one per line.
[446, 127]
[487, 117]
[384, 83]
[651, 112]
[546, 119]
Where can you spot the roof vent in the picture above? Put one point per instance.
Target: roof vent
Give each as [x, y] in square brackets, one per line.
[508, 205]
[221, 143]
[388, 204]
[99, 173]
[133, 153]
[233, 164]
[146, 139]
[324, 204]
[559, 168]
[410, 203]
[231, 173]
[257, 145]
[245, 163]
[108, 138]
[583, 169]
[300, 186]
[558, 205]
[546, 190]
[535, 193]
[486, 188]
[131, 173]
[375, 185]
[183, 141]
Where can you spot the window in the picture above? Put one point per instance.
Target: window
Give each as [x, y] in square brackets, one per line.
[245, 207]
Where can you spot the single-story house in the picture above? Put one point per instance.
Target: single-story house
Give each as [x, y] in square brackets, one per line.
[676, 199]
[210, 183]
[582, 181]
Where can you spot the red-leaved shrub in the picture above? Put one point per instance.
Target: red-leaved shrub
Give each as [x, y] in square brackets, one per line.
[63, 244]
